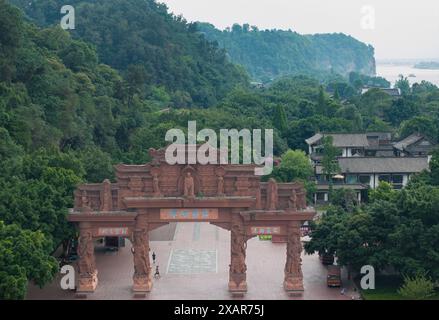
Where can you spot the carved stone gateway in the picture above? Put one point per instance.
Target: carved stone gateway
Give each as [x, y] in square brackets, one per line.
[146, 197]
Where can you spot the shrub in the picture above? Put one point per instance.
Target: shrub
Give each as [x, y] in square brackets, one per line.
[419, 287]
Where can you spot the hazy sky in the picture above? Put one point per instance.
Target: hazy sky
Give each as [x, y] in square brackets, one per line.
[406, 29]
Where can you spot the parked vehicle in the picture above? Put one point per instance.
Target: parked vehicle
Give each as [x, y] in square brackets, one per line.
[327, 259]
[333, 278]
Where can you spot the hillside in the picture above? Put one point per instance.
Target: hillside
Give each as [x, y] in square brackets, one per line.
[268, 54]
[142, 37]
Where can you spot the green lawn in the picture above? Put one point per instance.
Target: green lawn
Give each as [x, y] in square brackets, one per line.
[386, 288]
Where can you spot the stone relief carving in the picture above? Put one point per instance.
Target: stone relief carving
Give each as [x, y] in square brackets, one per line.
[220, 172]
[155, 172]
[272, 195]
[293, 266]
[294, 250]
[135, 185]
[140, 250]
[238, 248]
[258, 204]
[301, 199]
[106, 196]
[292, 200]
[85, 204]
[220, 186]
[189, 186]
[155, 185]
[86, 265]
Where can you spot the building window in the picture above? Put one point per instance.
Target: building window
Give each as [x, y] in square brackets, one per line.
[364, 179]
[320, 196]
[397, 179]
[384, 177]
[351, 179]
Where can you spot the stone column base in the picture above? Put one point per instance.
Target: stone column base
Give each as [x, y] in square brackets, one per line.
[87, 283]
[142, 284]
[238, 284]
[294, 286]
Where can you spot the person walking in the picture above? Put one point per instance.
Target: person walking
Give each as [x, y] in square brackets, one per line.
[153, 257]
[157, 272]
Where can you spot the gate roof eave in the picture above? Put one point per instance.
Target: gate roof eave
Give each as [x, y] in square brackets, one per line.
[181, 202]
[101, 216]
[261, 215]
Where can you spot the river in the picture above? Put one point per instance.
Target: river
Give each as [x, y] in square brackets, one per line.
[392, 71]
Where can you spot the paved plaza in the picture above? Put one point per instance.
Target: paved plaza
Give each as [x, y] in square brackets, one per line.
[193, 260]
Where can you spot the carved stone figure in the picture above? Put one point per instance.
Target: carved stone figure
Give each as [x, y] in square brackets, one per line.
[155, 185]
[301, 199]
[294, 250]
[140, 250]
[272, 196]
[293, 266]
[86, 265]
[238, 248]
[258, 205]
[220, 186]
[292, 201]
[238, 268]
[106, 197]
[135, 185]
[154, 154]
[189, 187]
[85, 205]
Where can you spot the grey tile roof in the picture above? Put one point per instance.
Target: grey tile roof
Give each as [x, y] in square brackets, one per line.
[381, 165]
[314, 139]
[394, 92]
[342, 139]
[413, 138]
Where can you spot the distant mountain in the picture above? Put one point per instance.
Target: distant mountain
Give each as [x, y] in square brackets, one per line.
[140, 37]
[268, 54]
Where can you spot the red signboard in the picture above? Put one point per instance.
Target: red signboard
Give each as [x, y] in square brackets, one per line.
[189, 214]
[112, 232]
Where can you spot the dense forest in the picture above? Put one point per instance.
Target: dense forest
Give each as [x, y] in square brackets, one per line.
[72, 105]
[268, 54]
[149, 45]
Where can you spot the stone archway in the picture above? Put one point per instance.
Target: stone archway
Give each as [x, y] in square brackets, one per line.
[148, 196]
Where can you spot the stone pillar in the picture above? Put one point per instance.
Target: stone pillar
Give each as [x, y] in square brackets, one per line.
[142, 281]
[293, 282]
[238, 268]
[88, 274]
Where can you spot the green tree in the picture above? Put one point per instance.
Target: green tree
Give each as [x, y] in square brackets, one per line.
[403, 84]
[330, 164]
[321, 102]
[344, 198]
[419, 287]
[294, 165]
[280, 118]
[434, 167]
[384, 192]
[24, 256]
